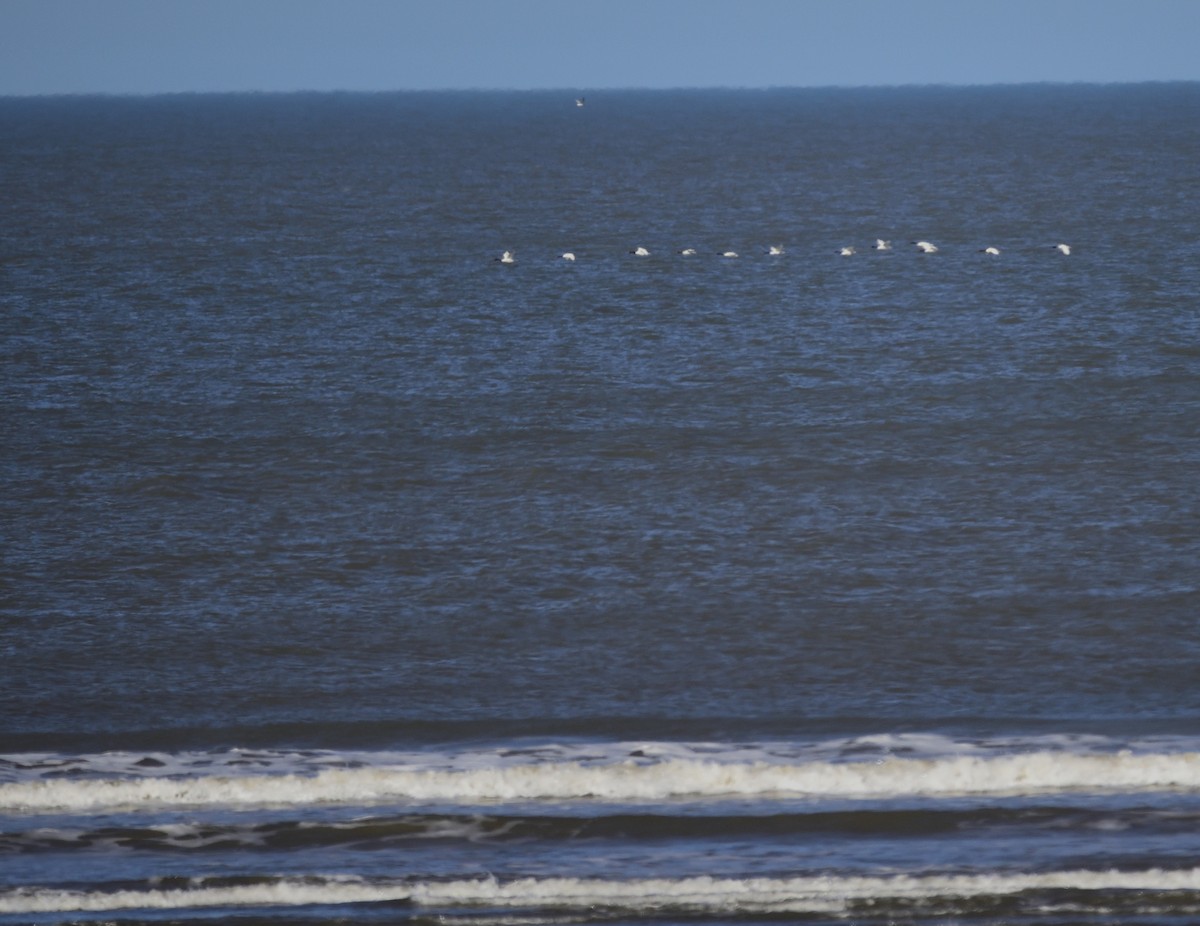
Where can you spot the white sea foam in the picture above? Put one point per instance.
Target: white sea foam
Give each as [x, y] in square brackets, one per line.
[809, 893]
[646, 774]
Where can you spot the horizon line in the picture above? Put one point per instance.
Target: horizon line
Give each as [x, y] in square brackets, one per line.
[146, 94]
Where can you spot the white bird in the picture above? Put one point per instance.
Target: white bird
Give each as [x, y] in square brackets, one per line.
[569, 256]
[729, 253]
[1065, 248]
[775, 250]
[640, 251]
[507, 258]
[579, 101]
[687, 252]
[847, 252]
[881, 245]
[926, 247]
[989, 250]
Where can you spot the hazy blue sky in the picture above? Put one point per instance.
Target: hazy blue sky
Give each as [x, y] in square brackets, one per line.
[155, 46]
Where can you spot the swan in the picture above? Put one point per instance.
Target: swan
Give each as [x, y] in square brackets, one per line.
[846, 252]
[729, 253]
[881, 245]
[687, 252]
[507, 258]
[569, 256]
[1064, 248]
[579, 101]
[925, 247]
[989, 250]
[640, 251]
[775, 250]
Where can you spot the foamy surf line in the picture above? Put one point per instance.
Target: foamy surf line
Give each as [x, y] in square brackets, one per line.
[628, 781]
[822, 893]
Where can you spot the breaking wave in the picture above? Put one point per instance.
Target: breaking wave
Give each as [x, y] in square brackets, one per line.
[640, 778]
[821, 893]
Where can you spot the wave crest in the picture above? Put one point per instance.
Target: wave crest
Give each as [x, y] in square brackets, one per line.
[825, 893]
[627, 781]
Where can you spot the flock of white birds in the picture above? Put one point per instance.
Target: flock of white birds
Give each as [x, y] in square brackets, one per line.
[776, 250]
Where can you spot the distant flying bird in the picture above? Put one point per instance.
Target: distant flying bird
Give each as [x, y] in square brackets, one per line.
[775, 250]
[881, 245]
[1065, 248]
[640, 251]
[688, 252]
[847, 252]
[925, 247]
[569, 256]
[579, 101]
[989, 250]
[507, 258]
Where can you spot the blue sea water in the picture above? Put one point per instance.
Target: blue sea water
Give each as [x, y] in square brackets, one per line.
[351, 574]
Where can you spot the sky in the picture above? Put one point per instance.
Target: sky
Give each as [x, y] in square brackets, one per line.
[173, 46]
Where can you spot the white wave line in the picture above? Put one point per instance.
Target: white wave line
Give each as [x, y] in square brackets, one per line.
[822, 893]
[1029, 773]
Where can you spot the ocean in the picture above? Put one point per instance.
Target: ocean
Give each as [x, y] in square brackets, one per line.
[351, 574]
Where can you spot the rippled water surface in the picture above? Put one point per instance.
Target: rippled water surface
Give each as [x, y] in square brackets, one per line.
[306, 493]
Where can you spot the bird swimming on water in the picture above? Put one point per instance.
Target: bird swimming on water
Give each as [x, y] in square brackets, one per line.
[925, 247]
[569, 255]
[881, 245]
[775, 250]
[640, 251]
[1064, 248]
[989, 250]
[847, 251]
[507, 258]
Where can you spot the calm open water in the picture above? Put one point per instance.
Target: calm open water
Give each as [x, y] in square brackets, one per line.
[351, 575]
